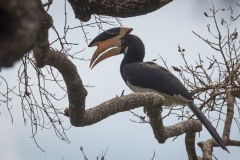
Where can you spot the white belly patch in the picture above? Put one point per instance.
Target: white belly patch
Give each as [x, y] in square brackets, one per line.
[169, 100]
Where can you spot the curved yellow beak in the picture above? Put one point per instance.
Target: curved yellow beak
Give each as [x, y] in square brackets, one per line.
[109, 39]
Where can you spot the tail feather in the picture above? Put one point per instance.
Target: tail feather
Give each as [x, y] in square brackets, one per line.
[208, 125]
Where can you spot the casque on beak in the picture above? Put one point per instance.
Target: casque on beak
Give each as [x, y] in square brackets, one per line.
[109, 39]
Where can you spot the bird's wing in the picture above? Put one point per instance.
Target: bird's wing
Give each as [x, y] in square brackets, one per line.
[150, 75]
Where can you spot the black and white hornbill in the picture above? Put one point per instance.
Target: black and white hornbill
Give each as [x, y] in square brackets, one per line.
[145, 76]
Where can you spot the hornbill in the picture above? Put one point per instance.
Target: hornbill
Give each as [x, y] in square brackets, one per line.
[145, 76]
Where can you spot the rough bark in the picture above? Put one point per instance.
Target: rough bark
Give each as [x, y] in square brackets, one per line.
[83, 9]
[18, 30]
[117, 105]
[190, 145]
[46, 56]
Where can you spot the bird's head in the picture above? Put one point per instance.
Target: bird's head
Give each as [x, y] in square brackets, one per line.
[110, 43]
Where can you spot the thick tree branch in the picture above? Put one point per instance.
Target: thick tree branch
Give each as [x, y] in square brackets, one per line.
[76, 91]
[42, 48]
[44, 56]
[190, 145]
[18, 30]
[83, 9]
[207, 148]
[184, 127]
[153, 103]
[163, 133]
[116, 105]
